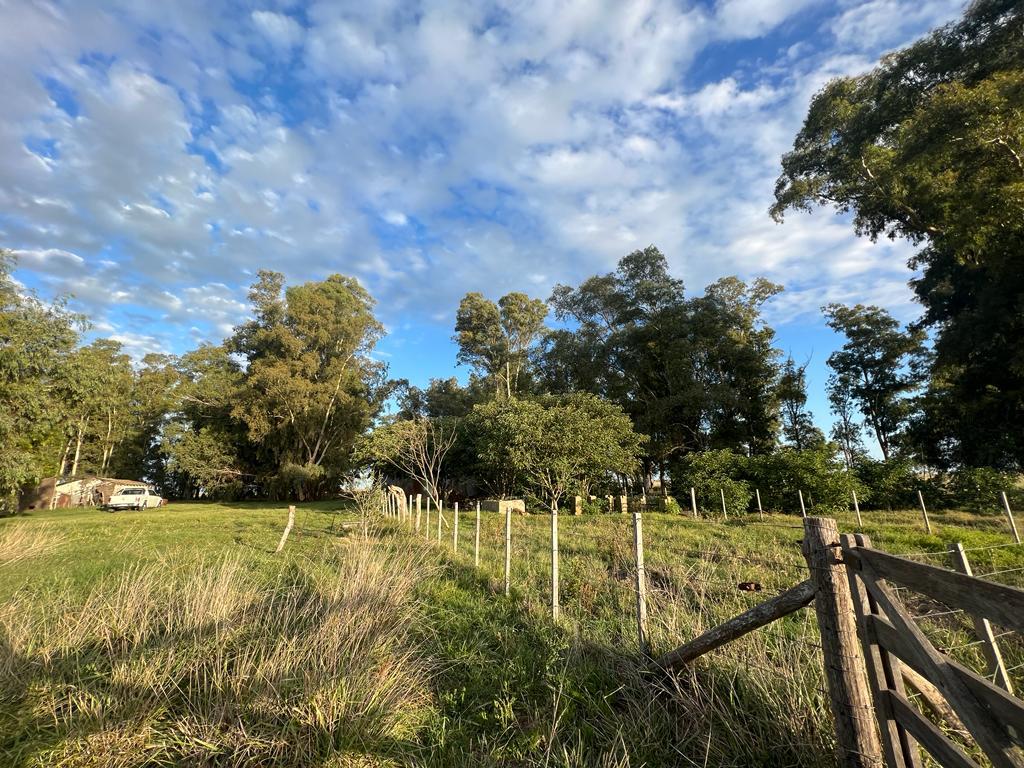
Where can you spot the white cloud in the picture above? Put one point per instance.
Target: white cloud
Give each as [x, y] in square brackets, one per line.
[281, 31]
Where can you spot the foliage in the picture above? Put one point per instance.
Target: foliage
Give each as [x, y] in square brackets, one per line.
[797, 422]
[979, 488]
[710, 473]
[499, 340]
[824, 482]
[928, 146]
[876, 368]
[893, 483]
[554, 446]
[415, 448]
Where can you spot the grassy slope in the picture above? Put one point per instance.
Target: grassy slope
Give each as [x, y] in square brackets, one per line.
[490, 680]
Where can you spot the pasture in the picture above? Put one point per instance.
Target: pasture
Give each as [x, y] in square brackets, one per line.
[177, 637]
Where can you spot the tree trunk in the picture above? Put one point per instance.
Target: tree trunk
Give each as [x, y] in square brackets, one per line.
[78, 449]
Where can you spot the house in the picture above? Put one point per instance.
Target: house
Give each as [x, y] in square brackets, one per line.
[53, 493]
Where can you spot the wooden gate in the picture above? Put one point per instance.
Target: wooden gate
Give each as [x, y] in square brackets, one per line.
[896, 651]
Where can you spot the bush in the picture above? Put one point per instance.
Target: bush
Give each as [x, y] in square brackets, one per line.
[711, 472]
[894, 483]
[815, 472]
[978, 488]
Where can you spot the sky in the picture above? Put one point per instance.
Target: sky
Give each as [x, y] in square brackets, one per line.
[155, 155]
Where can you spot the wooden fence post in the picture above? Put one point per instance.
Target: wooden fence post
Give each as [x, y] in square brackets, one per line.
[455, 529]
[641, 582]
[693, 500]
[725, 512]
[440, 517]
[476, 539]
[760, 512]
[845, 672]
[856, 508]
[1009, 516]
[508, 549]
[554, 563]
[426, 528]
[803, 509]
[924, 513]
[419, 498]
[982, 626]
[287, 529]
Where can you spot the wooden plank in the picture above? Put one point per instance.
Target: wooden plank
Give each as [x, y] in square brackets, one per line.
[999, 603]
[991, 736]
[845, 673]
[982, 626]
[884, 672]
[793, 599]
[998, 703]
[930, 737]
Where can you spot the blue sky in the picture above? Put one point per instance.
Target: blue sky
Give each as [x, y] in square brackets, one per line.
[153, 156]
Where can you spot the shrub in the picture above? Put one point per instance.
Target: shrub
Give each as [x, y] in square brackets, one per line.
[815, 472]
[713, 472]
[978, 488]
[893, 483]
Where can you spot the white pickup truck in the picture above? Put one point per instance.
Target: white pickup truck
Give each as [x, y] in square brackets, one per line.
[133, 497]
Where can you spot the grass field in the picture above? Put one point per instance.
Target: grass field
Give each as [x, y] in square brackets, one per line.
[177, 637]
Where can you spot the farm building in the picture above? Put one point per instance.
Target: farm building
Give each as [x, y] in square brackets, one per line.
[53, 493]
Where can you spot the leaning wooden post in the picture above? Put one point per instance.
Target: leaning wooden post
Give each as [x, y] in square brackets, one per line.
[455, 529]
[1009, 516]
[803, 509]
[856, 508]
[924, 513]
[476, 538]
[508, 549]
[641, 582]
[760, 512]
[982, 626]
[287, 529]
[725, 512]
[845, 672]
[554, 562]
[693, 500]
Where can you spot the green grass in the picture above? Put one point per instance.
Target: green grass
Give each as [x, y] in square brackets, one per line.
[177, 637]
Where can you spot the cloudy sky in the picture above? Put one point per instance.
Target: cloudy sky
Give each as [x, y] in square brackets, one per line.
[154, 155]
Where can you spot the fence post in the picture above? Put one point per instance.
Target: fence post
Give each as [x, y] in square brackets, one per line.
[508, 548]
[760, 512]
[725, 512]
[1009, 516]
[455, 529]
[426, 528]
[803, 509]
[641, 582]
[924, 513]
[982, 626]
[476, 539]
[287, 529]
[856, 508]
[419, 499]
[845, 672]
[440, 517]
[554, 562]
[693, 500]
[408, 510]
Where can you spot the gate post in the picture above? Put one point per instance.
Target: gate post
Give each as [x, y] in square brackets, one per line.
[845, 672]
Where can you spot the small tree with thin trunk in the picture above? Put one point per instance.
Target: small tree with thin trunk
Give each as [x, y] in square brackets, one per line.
[415, 448]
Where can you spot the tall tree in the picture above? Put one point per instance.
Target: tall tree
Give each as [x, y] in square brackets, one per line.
[846, 430]
[929, 146]
[876, 367]
[499, 340]
[797, 422]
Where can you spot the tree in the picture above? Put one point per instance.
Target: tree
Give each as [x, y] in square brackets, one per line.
[875, 367]
[35, 342]
[929, 146]
[415, 448]
[499, 340]
[310, 386]
[553, 445]
[797, 422]
[846, 430]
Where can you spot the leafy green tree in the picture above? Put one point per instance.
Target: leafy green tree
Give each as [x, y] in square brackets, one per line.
[36, 340]
[876, 368]
[928, 146]
[797, 422]
[553, 445]
[815, 472]
[710, 474]
[500, 340]
[846, 430]
[310, 386]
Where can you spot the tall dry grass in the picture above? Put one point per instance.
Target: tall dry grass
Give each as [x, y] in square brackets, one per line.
[214, 664]
[24, 541]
